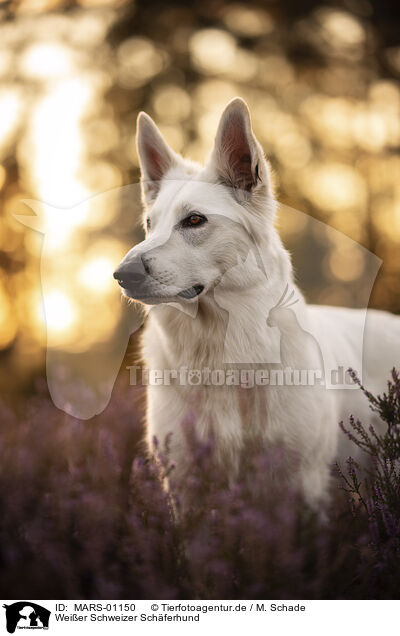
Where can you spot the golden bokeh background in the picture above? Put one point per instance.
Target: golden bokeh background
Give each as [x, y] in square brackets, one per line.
[322, 83]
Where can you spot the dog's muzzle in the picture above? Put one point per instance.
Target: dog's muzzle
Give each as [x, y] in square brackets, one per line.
[134, 276]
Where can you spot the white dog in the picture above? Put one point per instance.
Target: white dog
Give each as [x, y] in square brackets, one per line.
[214, 268]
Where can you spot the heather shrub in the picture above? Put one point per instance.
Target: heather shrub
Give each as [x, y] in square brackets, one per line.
[85, 514]
[375, 490]
[77, 520]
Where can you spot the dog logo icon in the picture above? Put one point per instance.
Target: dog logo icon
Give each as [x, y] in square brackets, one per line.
[26, 615]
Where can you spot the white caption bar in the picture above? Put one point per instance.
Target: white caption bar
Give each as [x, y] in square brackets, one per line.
[172, 617]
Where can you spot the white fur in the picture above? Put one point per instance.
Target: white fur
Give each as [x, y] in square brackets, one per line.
[227, 322]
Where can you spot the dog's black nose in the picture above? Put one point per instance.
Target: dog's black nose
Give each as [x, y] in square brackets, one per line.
[131, 273]
[119, 274]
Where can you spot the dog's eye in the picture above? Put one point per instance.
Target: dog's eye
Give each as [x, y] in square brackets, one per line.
[194, 220]
[148, 223]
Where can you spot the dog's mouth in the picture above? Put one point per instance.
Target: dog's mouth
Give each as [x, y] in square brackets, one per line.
[186, 294]
[191, 292]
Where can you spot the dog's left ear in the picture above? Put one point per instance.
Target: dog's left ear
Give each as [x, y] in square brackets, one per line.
[237, 157]
[155, 156]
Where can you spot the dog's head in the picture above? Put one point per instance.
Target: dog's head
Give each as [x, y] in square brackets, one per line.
[197, 219]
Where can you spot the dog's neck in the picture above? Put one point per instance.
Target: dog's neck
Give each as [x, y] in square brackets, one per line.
[226, 325]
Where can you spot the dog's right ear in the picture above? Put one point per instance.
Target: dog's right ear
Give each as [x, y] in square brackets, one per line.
[237, 157]
[155, 156]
